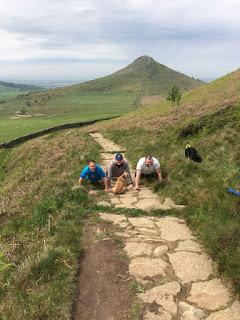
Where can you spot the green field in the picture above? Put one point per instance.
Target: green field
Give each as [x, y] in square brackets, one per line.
[67, 109]
[116, 94]
[9, 93]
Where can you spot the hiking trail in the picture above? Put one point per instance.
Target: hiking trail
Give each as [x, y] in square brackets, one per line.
[176, 279]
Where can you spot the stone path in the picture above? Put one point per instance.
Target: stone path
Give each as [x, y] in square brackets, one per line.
[176, 277]
[143, 199]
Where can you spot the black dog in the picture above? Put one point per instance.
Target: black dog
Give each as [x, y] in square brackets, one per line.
[192, 153]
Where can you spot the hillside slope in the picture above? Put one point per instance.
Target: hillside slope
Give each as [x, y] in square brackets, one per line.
[143, 77]
[20, 86]
[204, 100]
[209, 119]
[9, 90]
[41, 224]
[113, 95]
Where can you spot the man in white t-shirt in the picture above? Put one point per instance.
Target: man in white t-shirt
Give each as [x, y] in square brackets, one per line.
[148, 165]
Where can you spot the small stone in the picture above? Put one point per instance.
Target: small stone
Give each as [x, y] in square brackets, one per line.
[128, 198]
[148, 204]
[172, 230]
[170, 218]
[163, 296]
[92, 192]
[231, 313]
[190, 266]
[124, 206]
[165, 301]
[115, 201]
[188, 245]
[122, 234]
[159, 251]
[148, 231]
[135, 249]
[146, 193]
[190, 312]
[115, 218]
[170, 203]
[123, 225]
[169, 288]
[104, 204]
[211, 295]
[141, 238]
[142, 222]
[146, 267]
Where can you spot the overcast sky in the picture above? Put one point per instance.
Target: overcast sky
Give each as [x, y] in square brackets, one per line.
[85, 39]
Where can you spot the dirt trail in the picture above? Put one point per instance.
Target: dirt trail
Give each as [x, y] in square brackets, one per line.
[176, 279]
[104, 291]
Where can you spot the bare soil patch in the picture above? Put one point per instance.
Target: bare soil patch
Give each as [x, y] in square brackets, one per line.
[149, 100]
[104, 281]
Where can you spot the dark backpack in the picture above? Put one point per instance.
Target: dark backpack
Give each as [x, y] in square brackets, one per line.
[192, 153]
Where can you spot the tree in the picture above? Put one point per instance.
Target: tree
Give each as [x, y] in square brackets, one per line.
[174, 95]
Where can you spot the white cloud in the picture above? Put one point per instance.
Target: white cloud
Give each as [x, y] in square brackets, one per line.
[200, 38]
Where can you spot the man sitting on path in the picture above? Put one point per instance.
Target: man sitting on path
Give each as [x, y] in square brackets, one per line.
[148, 166]
[116, 169]
[93, 173]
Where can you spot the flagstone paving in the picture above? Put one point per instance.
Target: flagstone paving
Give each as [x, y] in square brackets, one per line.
[178, 278]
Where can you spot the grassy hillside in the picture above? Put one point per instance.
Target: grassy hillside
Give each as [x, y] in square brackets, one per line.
[42, 216]
[209, 119]
[8, 93]
[194, 104]
[41, 224]
[113, 95]
[19, 86]
[10, 90]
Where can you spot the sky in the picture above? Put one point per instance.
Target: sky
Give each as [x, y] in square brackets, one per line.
[84, 39]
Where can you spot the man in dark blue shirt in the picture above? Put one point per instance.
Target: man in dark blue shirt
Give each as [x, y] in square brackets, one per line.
[93, 172]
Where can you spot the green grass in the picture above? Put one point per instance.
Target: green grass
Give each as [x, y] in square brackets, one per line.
[67, 109]
[41, 224]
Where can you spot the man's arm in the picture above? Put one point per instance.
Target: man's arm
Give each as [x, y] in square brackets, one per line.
[105, 180]
[159, 173]
[80, 181]
[110, 170]
[82, 175]
[137, 181]
[129, 173]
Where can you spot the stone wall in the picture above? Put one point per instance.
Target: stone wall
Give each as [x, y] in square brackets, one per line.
[22, 139]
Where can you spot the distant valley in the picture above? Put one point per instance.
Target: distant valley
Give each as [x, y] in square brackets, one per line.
[143, 81]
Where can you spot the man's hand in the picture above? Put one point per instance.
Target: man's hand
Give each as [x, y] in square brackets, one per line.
[130, 186]
[162, 181]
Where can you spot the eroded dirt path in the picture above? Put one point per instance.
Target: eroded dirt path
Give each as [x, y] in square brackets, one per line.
[176, 279]
[104, 290]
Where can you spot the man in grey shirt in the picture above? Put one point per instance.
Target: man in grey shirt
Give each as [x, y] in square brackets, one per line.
[116, 169]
